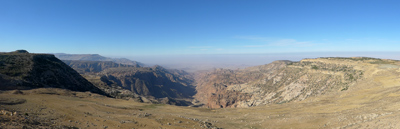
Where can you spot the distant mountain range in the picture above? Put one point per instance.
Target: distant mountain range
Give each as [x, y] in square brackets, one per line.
[83, 66]
[97, 57]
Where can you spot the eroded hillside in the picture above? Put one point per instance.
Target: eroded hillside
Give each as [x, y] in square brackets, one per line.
[147, 84]
[151, 81]
[282, 81]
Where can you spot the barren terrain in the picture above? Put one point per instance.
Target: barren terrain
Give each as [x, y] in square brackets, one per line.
[372, 101]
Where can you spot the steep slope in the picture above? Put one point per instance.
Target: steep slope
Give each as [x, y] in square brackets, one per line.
[97, 57]
[22, 70]
[213, 84]
[155, 84]
[278, 82]
[91, 71]
[155, 81]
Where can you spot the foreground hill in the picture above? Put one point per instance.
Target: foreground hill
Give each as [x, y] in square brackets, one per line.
[23, 70]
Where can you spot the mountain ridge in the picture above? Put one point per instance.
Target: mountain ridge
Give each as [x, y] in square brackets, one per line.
[97, 57]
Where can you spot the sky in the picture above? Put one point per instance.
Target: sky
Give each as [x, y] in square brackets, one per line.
[157, 28]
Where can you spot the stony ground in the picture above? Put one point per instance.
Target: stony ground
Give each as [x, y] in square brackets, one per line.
[54, 108]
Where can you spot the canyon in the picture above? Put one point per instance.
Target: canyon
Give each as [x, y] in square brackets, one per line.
[328, 92]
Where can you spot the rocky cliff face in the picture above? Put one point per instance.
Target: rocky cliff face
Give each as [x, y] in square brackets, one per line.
[151, 81]
[22, 70]
[155, 84]
[278, 82]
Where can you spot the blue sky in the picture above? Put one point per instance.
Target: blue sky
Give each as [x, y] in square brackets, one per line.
[185, 27]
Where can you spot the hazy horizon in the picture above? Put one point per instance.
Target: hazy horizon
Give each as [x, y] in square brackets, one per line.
[195, 62]
[234, 61]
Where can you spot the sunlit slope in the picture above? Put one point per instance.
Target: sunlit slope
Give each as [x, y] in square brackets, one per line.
[372, 102]
[284, 81]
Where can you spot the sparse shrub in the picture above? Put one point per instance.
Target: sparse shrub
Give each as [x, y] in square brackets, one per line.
[351, 76]
[345, 88]
[282, 102]
[314, 67]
